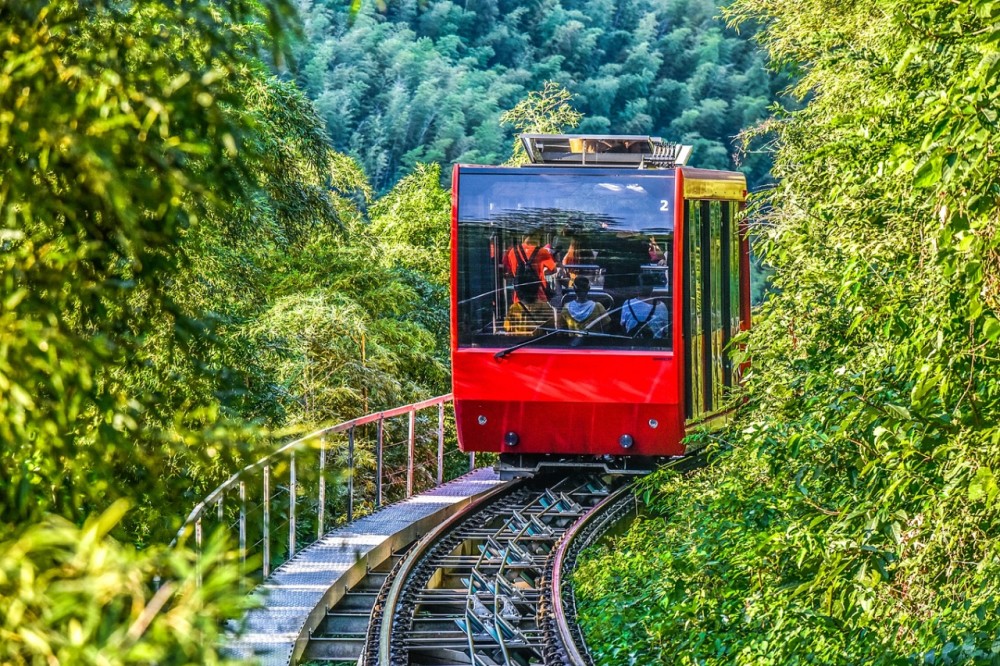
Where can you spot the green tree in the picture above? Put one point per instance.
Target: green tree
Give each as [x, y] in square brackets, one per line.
[357, 320]
[546, 111]
[121, 135]
[426, 81]
[853, 518]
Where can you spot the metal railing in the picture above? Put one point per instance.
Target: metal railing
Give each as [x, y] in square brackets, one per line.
[305, 497]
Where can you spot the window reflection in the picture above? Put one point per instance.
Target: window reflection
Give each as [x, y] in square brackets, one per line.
[573, 259]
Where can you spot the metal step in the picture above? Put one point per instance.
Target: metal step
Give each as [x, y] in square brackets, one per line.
[324, 649]
[357, 601]
[344, 622]
[372, 582]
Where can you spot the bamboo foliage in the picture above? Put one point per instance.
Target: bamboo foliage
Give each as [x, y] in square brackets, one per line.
[850, 515]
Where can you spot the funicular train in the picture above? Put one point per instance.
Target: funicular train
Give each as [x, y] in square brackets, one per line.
[594, 295]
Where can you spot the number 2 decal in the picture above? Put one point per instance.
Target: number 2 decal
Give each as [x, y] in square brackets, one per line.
[665, 205]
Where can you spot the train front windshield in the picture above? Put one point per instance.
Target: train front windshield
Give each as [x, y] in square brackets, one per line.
[568, 258]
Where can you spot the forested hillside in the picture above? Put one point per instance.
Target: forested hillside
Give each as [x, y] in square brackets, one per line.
[187, 274]
[850, 515]
[406, 82]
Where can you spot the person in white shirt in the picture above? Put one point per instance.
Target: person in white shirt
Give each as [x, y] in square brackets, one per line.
[645, 318]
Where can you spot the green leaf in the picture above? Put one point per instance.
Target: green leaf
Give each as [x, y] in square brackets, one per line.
[900, 412]
[928, 173]
[982, 484]
[991, 329]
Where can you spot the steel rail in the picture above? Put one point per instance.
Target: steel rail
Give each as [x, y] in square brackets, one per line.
[496, 616]
[400, 576]
[575, 652]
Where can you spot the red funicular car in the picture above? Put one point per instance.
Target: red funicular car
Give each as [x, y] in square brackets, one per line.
[594, 295]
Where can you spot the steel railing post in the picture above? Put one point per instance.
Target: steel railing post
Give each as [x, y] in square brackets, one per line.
[267, 520]
[320, 531]
[378, 465]
[411, 453]
[472, 461]
[350, 474]
[292, 491]
[243, 528]
[440, 478]
[196, 519]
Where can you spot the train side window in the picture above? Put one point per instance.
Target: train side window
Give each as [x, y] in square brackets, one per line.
[712, 302]
[728, 279]
[736, 314]
[707, 360]
[715, 301]
[694, 368]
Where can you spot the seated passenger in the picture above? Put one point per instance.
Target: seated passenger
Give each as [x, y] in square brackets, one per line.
[656, 255]
[530, 257]
[528, 315]
[581, 313]
[644, 318]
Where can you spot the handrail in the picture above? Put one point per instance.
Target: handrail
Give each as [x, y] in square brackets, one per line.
[260, 469]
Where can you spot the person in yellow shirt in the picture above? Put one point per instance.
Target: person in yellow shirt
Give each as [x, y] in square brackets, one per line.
[581, 313]
[528, 315]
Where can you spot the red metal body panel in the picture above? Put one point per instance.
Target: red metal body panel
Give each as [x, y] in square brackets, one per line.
[568, 402]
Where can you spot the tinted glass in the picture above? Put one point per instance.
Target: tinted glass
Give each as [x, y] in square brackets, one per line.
[716, 286]
[568, 258]
[693, 334]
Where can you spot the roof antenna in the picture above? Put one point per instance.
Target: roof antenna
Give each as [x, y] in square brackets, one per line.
[666, 155]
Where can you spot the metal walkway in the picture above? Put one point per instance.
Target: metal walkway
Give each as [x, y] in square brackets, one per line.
[294, 599]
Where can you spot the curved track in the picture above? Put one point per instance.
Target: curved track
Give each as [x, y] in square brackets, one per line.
[485, 587]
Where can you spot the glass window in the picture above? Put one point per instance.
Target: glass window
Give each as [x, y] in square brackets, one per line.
[728, 302]
[735, 253]
[716, 286]
[571, 258]
[694, 368]
[712, 303]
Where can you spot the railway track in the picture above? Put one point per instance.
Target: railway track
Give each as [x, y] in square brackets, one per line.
[483, 588]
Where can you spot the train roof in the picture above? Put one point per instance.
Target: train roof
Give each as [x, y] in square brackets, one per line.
[597, 150]
[697, 183]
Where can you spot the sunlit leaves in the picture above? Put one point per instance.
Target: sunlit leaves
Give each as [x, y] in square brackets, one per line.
[854, 519]
[356, 321]
[71, 595]
[122, 135]
[545, 111]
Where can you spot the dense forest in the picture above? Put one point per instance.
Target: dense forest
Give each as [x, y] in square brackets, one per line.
[849, 516]
[189, 274]
[409, 82]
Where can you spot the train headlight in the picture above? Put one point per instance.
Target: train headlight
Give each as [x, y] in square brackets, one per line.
[511, 439]
[626, 441]
[653, 423]
[481, 420]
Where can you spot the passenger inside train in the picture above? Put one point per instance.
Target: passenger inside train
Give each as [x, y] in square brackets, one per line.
[528, 315]
[645, 318]
[582, 313]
